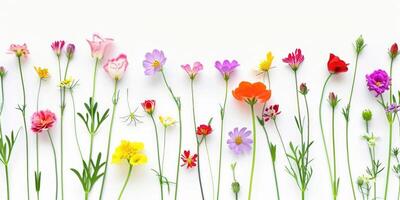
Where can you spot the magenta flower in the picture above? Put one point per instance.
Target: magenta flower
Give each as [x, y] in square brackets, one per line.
[70, 50]
[294, 59]
[226, 67]
[271, 112]
[42, 121]
[239, 141]
[57, 47]
[154, 62]
[192, 72]
[116, 67]
[378, 81]
[19, 50]
[98, 46]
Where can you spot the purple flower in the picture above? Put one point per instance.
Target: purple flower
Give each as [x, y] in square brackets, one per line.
[393, 108]
[378, 81]
[154, 62]
[70, 50]
[239, 141]
[226, 68]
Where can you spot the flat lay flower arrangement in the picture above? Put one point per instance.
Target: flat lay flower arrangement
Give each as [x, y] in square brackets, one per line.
[262, 114]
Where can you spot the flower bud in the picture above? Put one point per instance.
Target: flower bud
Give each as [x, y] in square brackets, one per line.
[235, 187]
[367, 115]
[333, 100]
[70, 50]
[359, 44]
[3, 72]
[393, 51]
[303, 89]
[360, 181]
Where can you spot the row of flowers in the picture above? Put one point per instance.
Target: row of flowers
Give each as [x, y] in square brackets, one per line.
[240, 140]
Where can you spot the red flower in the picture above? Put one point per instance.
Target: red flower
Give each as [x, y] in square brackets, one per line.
[394, 50]
[336, 65]
[204, 129]
[188, 160]
[271, 112]
[42, 120]
[148, 106]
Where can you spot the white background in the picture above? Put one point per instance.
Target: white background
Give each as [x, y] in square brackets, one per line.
[191, 31]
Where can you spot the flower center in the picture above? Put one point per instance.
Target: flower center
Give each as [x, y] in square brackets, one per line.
[189, 161]
[238, 140]
[378, 83]
[156, 64]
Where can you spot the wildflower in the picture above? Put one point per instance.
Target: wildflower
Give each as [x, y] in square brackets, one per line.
[148, 106]
[252, 93]
[70, 51]
[378, 81]
[167, 121]
[271, 112]
[265, 65]
[204, 130]
[57, 47]
[116, 67]
[336, 65]
[19, 50]
[3, 71]
[393, 51]
[42, 121]
[154, 62]
[359, 44]
[98, 45]
[393, 108]
[131, 152]
[43, 73]
[367, 115]
[370, 139]
[226, 67]
[239, 141]
[188, 160]
[294, 59]
[333, 99]
[303, 89]
[192, 72]
[66, 83]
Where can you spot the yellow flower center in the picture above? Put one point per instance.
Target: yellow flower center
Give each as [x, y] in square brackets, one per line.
[189, 160]
[378, 83]
[238, 140]
[156, 64]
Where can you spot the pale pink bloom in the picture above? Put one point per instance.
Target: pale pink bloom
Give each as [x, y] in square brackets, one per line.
[57, 47]
[42, 121]
[192, 72]
[19, 50]
[116, 67]
[98, 46]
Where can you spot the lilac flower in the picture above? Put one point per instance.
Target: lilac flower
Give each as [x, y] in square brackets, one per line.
[70, 50]
[226, 67]
[393, 108]
[239, 141]
[378, 81]
[192, 71]
[154, 62]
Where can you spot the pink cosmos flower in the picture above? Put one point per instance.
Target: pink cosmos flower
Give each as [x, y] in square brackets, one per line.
[42, 121]
[116, 67]
[57, 47]
[154, 62]
[294, 59]
[192, 72]
[98, 46]
[19, 50]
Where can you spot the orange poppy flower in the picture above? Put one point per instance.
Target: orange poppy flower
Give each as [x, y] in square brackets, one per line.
[252, 92]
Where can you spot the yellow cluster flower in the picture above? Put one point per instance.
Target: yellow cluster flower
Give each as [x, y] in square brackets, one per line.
[67, 83]
[131, 152]
[43, 73]
[167, 121]
[265, 65]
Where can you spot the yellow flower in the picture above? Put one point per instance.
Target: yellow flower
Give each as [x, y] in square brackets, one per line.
[67, 83]
[131, 152]
[43, 73]
[265, 65]
[167, 121]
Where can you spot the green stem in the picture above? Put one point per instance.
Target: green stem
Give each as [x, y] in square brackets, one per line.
[126, 182]
[164, 145]
[308, 125]
[55, 161]
[209, 166]
[335, 193]
[276, 181]
[62, 142]
[253, 162]
[37, 139]
[322, 132]
[8, 181]
[25, 126]
[115, 101]
[66, 69]
[398, 193]
[298, 106]
[389, 159]
[94, 78]
[75, 131]
[221, 137]
[158, 157]
[198, 168]
[2, 95]
[282, 143]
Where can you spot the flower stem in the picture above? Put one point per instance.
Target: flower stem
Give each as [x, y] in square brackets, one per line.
[75, 131]
[221, 137]
[164, 145]
[126, 182]
[22, 109]
[94, 78]
[323, 135]
[158, 158]
[55, 161]
[37, 142]
[8, 181]
[178, 105]
[282, 143]
[197, 140]
[253, 162]
[334, 155]
[209, 165]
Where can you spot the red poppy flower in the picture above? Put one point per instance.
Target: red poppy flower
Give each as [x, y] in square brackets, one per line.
[204, 129]
[148, 106]
[336, 65]
[188, 160]
[252, 92]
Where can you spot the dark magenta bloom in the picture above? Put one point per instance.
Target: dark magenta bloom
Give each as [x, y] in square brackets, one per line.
[378, 81]
[226, 67]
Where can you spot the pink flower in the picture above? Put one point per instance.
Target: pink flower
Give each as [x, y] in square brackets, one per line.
[116, 67]
[98, 46]
[294, 59]
[42, 121]
[192, 72]
[19, 50]
[57, 47]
